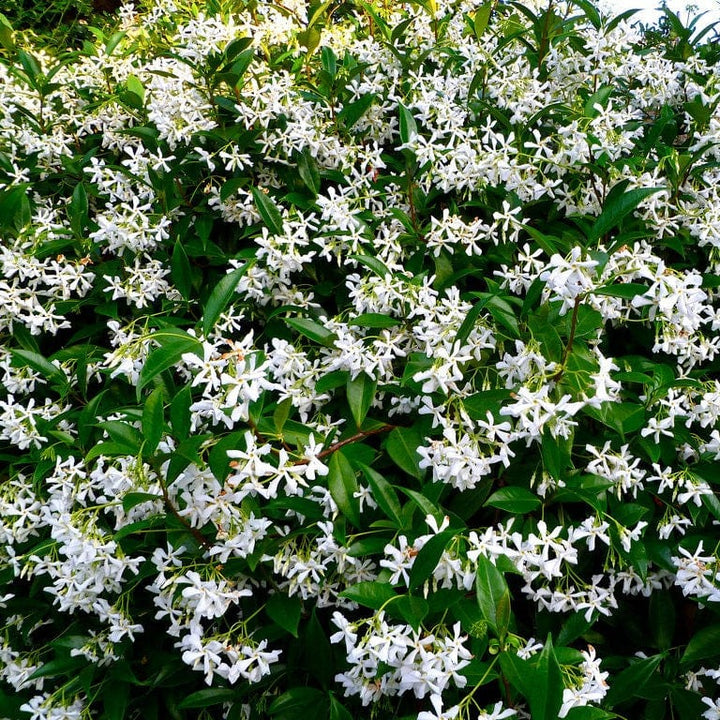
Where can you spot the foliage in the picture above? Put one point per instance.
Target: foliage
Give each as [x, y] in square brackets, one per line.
[360, 360]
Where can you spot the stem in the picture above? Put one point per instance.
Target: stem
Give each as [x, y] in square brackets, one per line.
[571, 340]
[201, 539]
[352, 439]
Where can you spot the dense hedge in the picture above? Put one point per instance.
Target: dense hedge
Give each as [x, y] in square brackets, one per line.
[360, 360]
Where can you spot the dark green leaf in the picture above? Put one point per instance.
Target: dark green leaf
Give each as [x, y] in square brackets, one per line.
[383, 494]
[626, 685]
[370, 594]
[153, 420]
[180, 270]
[207, 697]
[180, 413]
[402, 444]
[173, 345]
[516, 500]
[618, 206]
[408, 126]
[372, 263]
[285, 611]
[546, 694]
[493, 596]
[308, 171]
[353, 111]
[269, 211]
[373, 320]
[413, 610]
[220, 297]
[297, 701]
[703, 645]
[343, 486]
[312, 330]
[360, 395]
[131, 499]
[427, 559]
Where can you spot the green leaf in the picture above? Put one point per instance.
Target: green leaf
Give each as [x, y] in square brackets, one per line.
[37, 362]
[360, 395]
[206, 698]
[588, 712]
[481, 19]
[516, 500]
[704, 644]
[122, 433]
[617, 206]
[131, 499]
[312, 330]
[59, 666]
[220, 297]
[426, 505]
[180, 413]
[626, 685]
[173, 345]
[153, 420]
[413, 610]
[180, 271]
[343, 485]
[109, 449]
[370, 594]
[662, 618]
[493, 596]
[134, 86]
[353, 111]
[622, 290]
[285, 611]
[78, 210]
[329, 61]
[372, 263]
[408, 126]
[338, 711]
[269, 211]
[383, 494]
[373, 320]
[546, 695]
[427, 559]
[297, 701]
[555, 454]
[308, 171]
[402, 444]
[317, 656]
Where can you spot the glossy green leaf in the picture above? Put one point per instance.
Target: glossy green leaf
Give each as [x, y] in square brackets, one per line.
[173, 345]
[360, 395]
[269, 211]
[618, 206]
[370, 594]
[516, 500]
[704, 644]
[383, 494]
[153, 420]
[408, 126]
[547, 691]
[427, 559]
[343, 486]
[626, 684]
[285, 611]
[221, 296]
[493, 596]
[206, 698]
[312, 330]
[401, 445]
